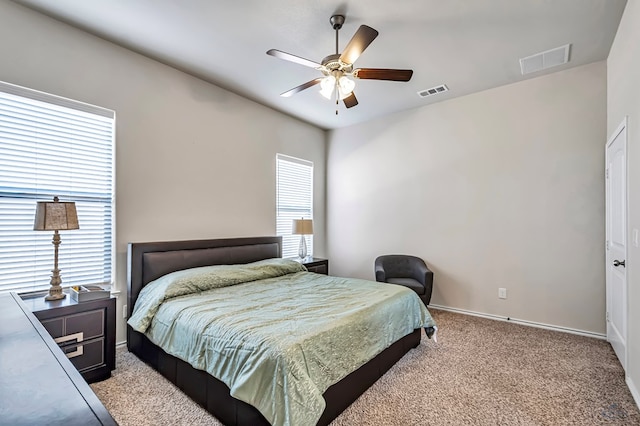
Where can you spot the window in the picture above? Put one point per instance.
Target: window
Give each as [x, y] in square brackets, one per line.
[294, 200]
[51, 146]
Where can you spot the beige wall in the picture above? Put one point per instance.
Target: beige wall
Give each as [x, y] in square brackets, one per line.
[192, 160]
[623, 89]
[503, 188]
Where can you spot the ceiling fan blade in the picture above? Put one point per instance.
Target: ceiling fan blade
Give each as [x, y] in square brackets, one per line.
[383, 74]
[350, 101]
[302, 87]
[293, 58]
[360, 40]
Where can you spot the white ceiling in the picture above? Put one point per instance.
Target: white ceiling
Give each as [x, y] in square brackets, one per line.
[468, 45]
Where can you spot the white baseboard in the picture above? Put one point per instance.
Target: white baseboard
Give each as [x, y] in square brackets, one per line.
[523, 322]
[634, 390]
[121, 344]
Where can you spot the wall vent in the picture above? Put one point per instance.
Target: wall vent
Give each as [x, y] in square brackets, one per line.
[547, 59]
[433, 91]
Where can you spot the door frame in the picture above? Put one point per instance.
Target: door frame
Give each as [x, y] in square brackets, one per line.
[622, 126]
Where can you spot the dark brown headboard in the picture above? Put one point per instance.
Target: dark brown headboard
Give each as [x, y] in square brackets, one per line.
[148, 261]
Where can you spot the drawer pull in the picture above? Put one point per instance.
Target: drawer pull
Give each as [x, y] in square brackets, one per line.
[79, 351]
[77, 337]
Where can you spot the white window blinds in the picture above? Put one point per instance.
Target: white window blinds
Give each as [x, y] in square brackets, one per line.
[51, 146]
[294, 200]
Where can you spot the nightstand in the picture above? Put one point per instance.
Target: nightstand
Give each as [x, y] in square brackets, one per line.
[315, 264]
[85, 331]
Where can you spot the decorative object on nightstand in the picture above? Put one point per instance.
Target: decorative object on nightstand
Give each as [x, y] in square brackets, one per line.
[55, 216]
[84, 293]
[302, 227]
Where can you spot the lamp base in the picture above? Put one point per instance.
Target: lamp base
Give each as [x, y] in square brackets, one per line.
[59, 296]
[55, 291]
[302, 248]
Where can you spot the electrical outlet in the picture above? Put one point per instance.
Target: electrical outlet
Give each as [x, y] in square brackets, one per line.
[124, 312]
[502, 293]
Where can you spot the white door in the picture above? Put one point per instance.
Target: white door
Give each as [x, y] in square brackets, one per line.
[616, 253]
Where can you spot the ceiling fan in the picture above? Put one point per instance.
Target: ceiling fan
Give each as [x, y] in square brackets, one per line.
[337, 69]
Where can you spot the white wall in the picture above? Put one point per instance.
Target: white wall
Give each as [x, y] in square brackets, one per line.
[192, 160]
[502, 188]
[623, 89]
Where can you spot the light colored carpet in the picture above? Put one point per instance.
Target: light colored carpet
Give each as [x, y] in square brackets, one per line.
[481, 372]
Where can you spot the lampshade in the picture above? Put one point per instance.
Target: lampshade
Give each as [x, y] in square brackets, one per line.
[302, 227]
[328, 86]
[55, 216]
[346, 86]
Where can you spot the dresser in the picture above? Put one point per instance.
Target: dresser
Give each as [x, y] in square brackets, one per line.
[38, 383]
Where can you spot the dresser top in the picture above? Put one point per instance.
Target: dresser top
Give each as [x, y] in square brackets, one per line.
[38, 384]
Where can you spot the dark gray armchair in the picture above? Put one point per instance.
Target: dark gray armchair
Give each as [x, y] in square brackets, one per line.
[409, 271]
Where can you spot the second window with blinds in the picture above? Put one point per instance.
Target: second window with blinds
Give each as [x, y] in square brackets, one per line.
[294, 200]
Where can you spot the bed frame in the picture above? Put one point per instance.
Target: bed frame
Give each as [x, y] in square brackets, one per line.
[148, 261]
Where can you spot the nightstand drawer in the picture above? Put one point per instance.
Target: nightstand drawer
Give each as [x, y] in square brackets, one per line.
[55, 327]
[316, 265]
[90, 323]
[319, 269]
[86, 355]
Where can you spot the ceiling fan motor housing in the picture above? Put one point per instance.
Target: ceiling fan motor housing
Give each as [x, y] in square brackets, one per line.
[333, 63]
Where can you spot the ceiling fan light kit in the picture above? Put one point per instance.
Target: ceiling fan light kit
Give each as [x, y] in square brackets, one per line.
[331, 84]
[337, 69]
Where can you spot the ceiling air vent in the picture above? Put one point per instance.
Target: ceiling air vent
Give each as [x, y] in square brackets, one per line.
[433, 91]
[547, 59]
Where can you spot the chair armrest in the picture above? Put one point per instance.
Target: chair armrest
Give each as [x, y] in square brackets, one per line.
[380, 275]
[428, 284]
[424, 275]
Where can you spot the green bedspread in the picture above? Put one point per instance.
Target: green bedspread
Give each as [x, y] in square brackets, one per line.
[277, 336]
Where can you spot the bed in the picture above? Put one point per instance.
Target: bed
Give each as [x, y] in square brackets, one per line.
[153, 262]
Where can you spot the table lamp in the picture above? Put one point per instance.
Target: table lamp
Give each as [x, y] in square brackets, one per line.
[302, 227]
[55, 216]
